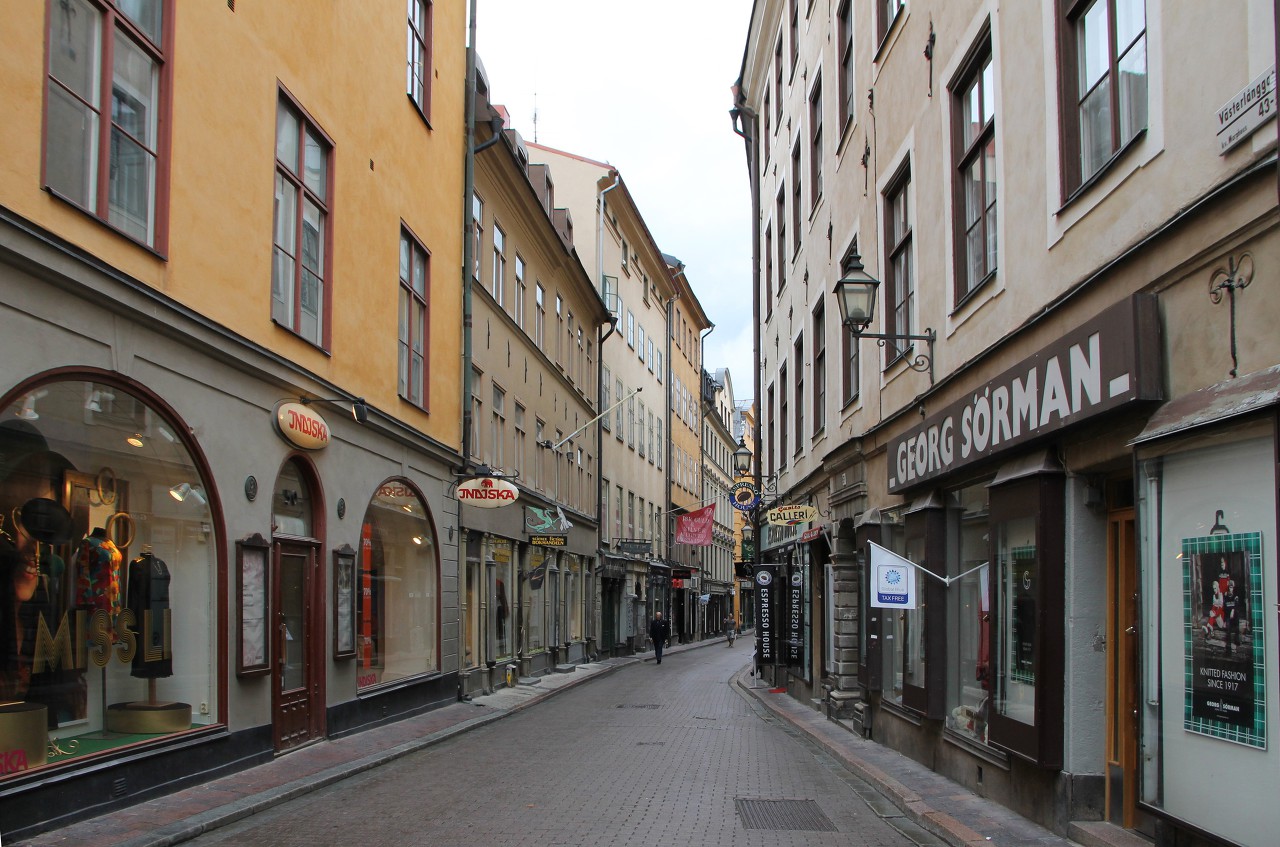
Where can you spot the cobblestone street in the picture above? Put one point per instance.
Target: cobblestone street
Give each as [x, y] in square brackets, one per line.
[671, 754]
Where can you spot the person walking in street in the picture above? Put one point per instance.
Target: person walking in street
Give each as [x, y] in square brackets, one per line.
[659, 632]
[731, 629]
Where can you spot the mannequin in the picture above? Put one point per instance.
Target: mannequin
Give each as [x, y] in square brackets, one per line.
[149, 599]
[98, 580]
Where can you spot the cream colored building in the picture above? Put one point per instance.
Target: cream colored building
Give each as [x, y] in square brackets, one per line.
[529, 594]
[1072, 208]
[689, 328]
[611, 238]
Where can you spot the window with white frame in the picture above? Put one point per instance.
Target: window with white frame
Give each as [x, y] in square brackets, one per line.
[520, 292]
[103, 147]
[497, 285]
[419, 62]
[301, 248]
[1104, 83]
[975, 192]
[414, 313]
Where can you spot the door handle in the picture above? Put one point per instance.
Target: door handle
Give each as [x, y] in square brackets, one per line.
[1130, 630]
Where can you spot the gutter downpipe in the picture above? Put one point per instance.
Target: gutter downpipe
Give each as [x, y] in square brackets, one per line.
[468, 233]
[742, 111]
[617, 179]
[613, 326]
[668, 400]
[701, 615]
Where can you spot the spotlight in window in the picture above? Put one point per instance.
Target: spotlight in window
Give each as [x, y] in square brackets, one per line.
[136, 440]
[417, 539]
[186, 491]
[28, 411]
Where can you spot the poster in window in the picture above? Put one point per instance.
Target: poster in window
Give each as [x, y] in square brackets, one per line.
[1223, 616]
[344, 602]
[254, 632]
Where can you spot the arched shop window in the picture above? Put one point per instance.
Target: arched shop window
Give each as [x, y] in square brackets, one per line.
[398, 588]
[108, 575]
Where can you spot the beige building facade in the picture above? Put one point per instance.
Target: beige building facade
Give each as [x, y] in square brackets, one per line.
[610, 236]
[1067, 440]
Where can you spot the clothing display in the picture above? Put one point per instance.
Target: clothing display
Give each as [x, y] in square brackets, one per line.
[148, 598]
[98, 574]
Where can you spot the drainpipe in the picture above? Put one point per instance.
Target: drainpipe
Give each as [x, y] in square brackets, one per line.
[617, 178]
[699, 616]
[668, 548]
[468, 233]
[742, 112]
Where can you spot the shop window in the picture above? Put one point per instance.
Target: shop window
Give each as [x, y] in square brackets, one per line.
[535, 611]
[573, 598]
[108, 605]
[398, 573]
[501, 598]
[291, 506]
[969, 615]
[1026, 582]
[1206, 514]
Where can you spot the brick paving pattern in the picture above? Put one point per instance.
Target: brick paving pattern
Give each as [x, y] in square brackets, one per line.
[649, 755]
[641, 755]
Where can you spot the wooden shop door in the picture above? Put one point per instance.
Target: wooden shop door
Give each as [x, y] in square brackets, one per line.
[298, 707]
[1121, 800]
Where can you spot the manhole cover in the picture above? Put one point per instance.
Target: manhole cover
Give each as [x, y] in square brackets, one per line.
[790, 815]
[638, 706]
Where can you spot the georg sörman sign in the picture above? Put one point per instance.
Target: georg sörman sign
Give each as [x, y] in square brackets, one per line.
[487, 492]
[1108, 362]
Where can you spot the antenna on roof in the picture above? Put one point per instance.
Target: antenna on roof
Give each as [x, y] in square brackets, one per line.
[535, 116]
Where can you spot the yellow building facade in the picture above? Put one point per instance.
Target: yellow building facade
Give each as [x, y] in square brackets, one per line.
[230, 415]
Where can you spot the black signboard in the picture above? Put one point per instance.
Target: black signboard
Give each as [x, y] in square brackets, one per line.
[767, 588]
[795, 618]
[681, 573]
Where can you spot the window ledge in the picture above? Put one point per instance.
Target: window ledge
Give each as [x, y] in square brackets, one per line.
[900, 711]
[996, 757]
[426, 121]
[972, 293]
[1087, 186]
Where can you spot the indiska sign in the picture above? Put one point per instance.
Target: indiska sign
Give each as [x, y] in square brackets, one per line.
[487, 492]
[301, 426]
[1110, 361]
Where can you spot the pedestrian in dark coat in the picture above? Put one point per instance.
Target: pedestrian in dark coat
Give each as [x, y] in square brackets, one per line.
[659, 632]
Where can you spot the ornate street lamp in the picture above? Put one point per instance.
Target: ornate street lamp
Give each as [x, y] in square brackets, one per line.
[855, 293]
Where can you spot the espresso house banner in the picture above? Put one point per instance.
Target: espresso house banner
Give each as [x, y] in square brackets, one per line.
[795, 618]
[767, 589]
[1223, 619]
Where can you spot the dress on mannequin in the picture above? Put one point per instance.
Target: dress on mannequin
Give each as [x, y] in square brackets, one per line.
[149, 599]
[98, 574]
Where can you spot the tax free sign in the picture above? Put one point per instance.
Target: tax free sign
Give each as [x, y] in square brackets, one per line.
[1109, 361]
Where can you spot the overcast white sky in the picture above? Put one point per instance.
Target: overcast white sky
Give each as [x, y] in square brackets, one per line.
[645, 87]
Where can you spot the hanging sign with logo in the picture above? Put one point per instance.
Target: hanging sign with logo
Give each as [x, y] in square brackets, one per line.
[791, 515]
[301, 426]
[487, 492]
[744, 496]
[893, 580]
